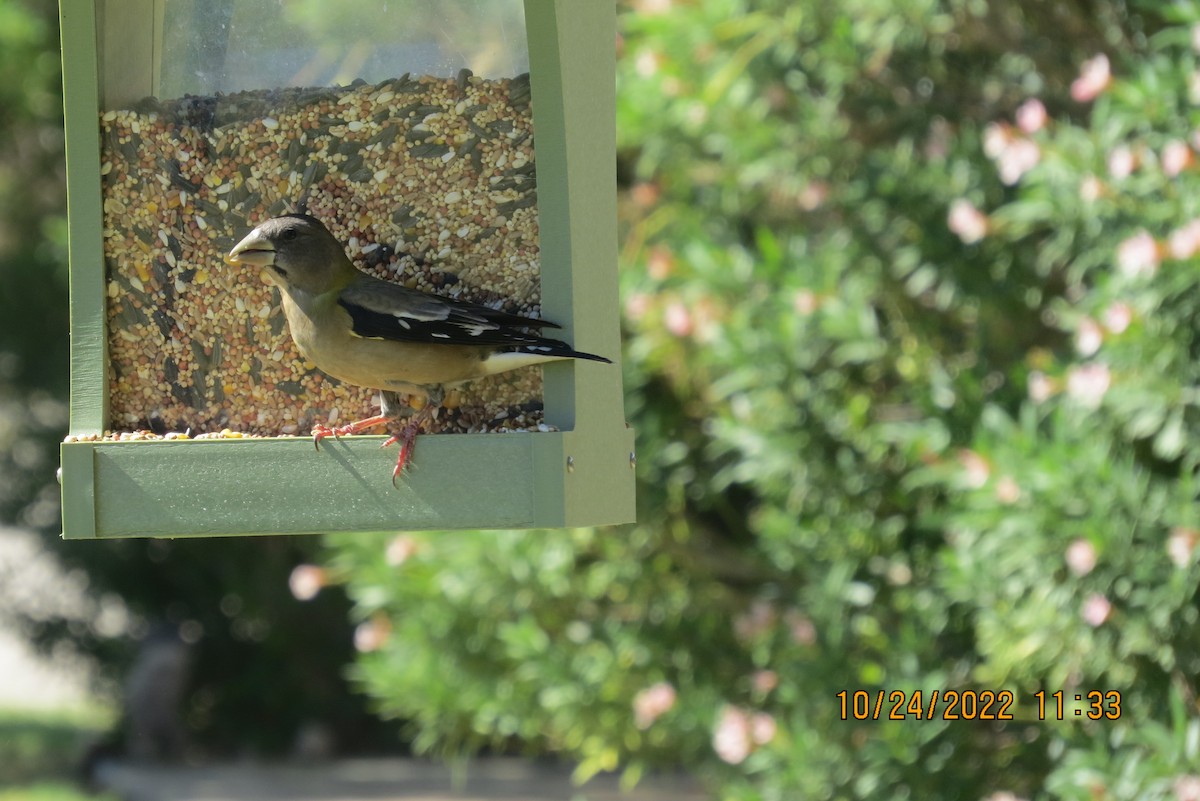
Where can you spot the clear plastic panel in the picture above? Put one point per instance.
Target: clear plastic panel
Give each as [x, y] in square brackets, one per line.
[259, 44]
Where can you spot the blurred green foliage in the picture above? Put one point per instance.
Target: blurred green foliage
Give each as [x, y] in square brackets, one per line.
[37, 747]
[33, 272]
[915, 403]
[50, 791]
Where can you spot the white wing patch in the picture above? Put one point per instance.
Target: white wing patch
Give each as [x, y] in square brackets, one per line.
[439, 314]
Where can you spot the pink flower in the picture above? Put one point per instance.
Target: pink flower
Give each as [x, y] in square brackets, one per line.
[801, 627]
[1117, 317]
[1187, 787]
[814, 195]
[996, 138]
[1091, 189]
[306, 581]
[400, 549]
[647, 63]
[732, 738]
[1081, 557]
[645, 194]
[653, 7]
[755, 622]
[1088, 337]
[1138, 255]
[1007, 490]
[1095, 76]
[1176, 157]
[762, 728]
[1014, 155]
[1122, 161]
[976, 470]
[637, 305]
[1096, 609]
[1183, 243]
[660, 263]
[1181, 545]
[652, 703]
[968, 222]
[1021, 156]
[1041, 387]
[678, 319]
[1031, 116]
[738, 732]
[764, 681]
[1088, 383]
[370, 635]
[805, 302]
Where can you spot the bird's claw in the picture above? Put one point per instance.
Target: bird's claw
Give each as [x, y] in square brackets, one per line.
[320, 432]
[396, 471]
[406, 439]
[406, 449]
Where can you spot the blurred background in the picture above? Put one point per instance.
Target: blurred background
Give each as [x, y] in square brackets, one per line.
[910, 294]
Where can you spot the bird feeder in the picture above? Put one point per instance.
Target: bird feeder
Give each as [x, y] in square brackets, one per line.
[408, 129]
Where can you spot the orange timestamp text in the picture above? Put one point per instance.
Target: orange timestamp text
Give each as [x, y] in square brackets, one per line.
[973, 705]
[918, 705]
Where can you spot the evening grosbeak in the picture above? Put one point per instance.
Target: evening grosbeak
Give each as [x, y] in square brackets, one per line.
[373, 333]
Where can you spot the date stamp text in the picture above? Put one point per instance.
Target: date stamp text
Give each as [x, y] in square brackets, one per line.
[976, 705]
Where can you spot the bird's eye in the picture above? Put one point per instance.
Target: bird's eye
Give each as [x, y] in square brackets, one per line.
[289, 234]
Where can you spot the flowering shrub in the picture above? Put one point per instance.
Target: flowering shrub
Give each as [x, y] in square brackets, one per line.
[911, 354]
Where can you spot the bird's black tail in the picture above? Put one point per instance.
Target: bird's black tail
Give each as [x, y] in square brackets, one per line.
[544, 346]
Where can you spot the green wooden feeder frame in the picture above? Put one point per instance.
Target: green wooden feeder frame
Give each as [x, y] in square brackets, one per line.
[580, 475]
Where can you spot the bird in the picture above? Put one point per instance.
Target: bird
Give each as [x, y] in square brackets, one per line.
[373, 333]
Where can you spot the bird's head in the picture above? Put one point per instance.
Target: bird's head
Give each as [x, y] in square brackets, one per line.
[294, 251]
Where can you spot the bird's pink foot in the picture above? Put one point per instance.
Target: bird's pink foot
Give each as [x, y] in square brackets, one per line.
[407, 438]
[320, 432]
[402, 460]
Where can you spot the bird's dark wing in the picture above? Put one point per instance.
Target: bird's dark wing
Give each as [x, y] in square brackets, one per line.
[383, 310]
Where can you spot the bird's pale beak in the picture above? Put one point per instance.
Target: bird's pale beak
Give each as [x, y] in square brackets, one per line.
[253, 251]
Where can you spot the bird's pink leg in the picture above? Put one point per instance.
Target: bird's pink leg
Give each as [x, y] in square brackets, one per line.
[406, 438]
[319, 431]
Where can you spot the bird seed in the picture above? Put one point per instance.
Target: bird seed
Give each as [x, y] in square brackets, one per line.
[428, 182]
